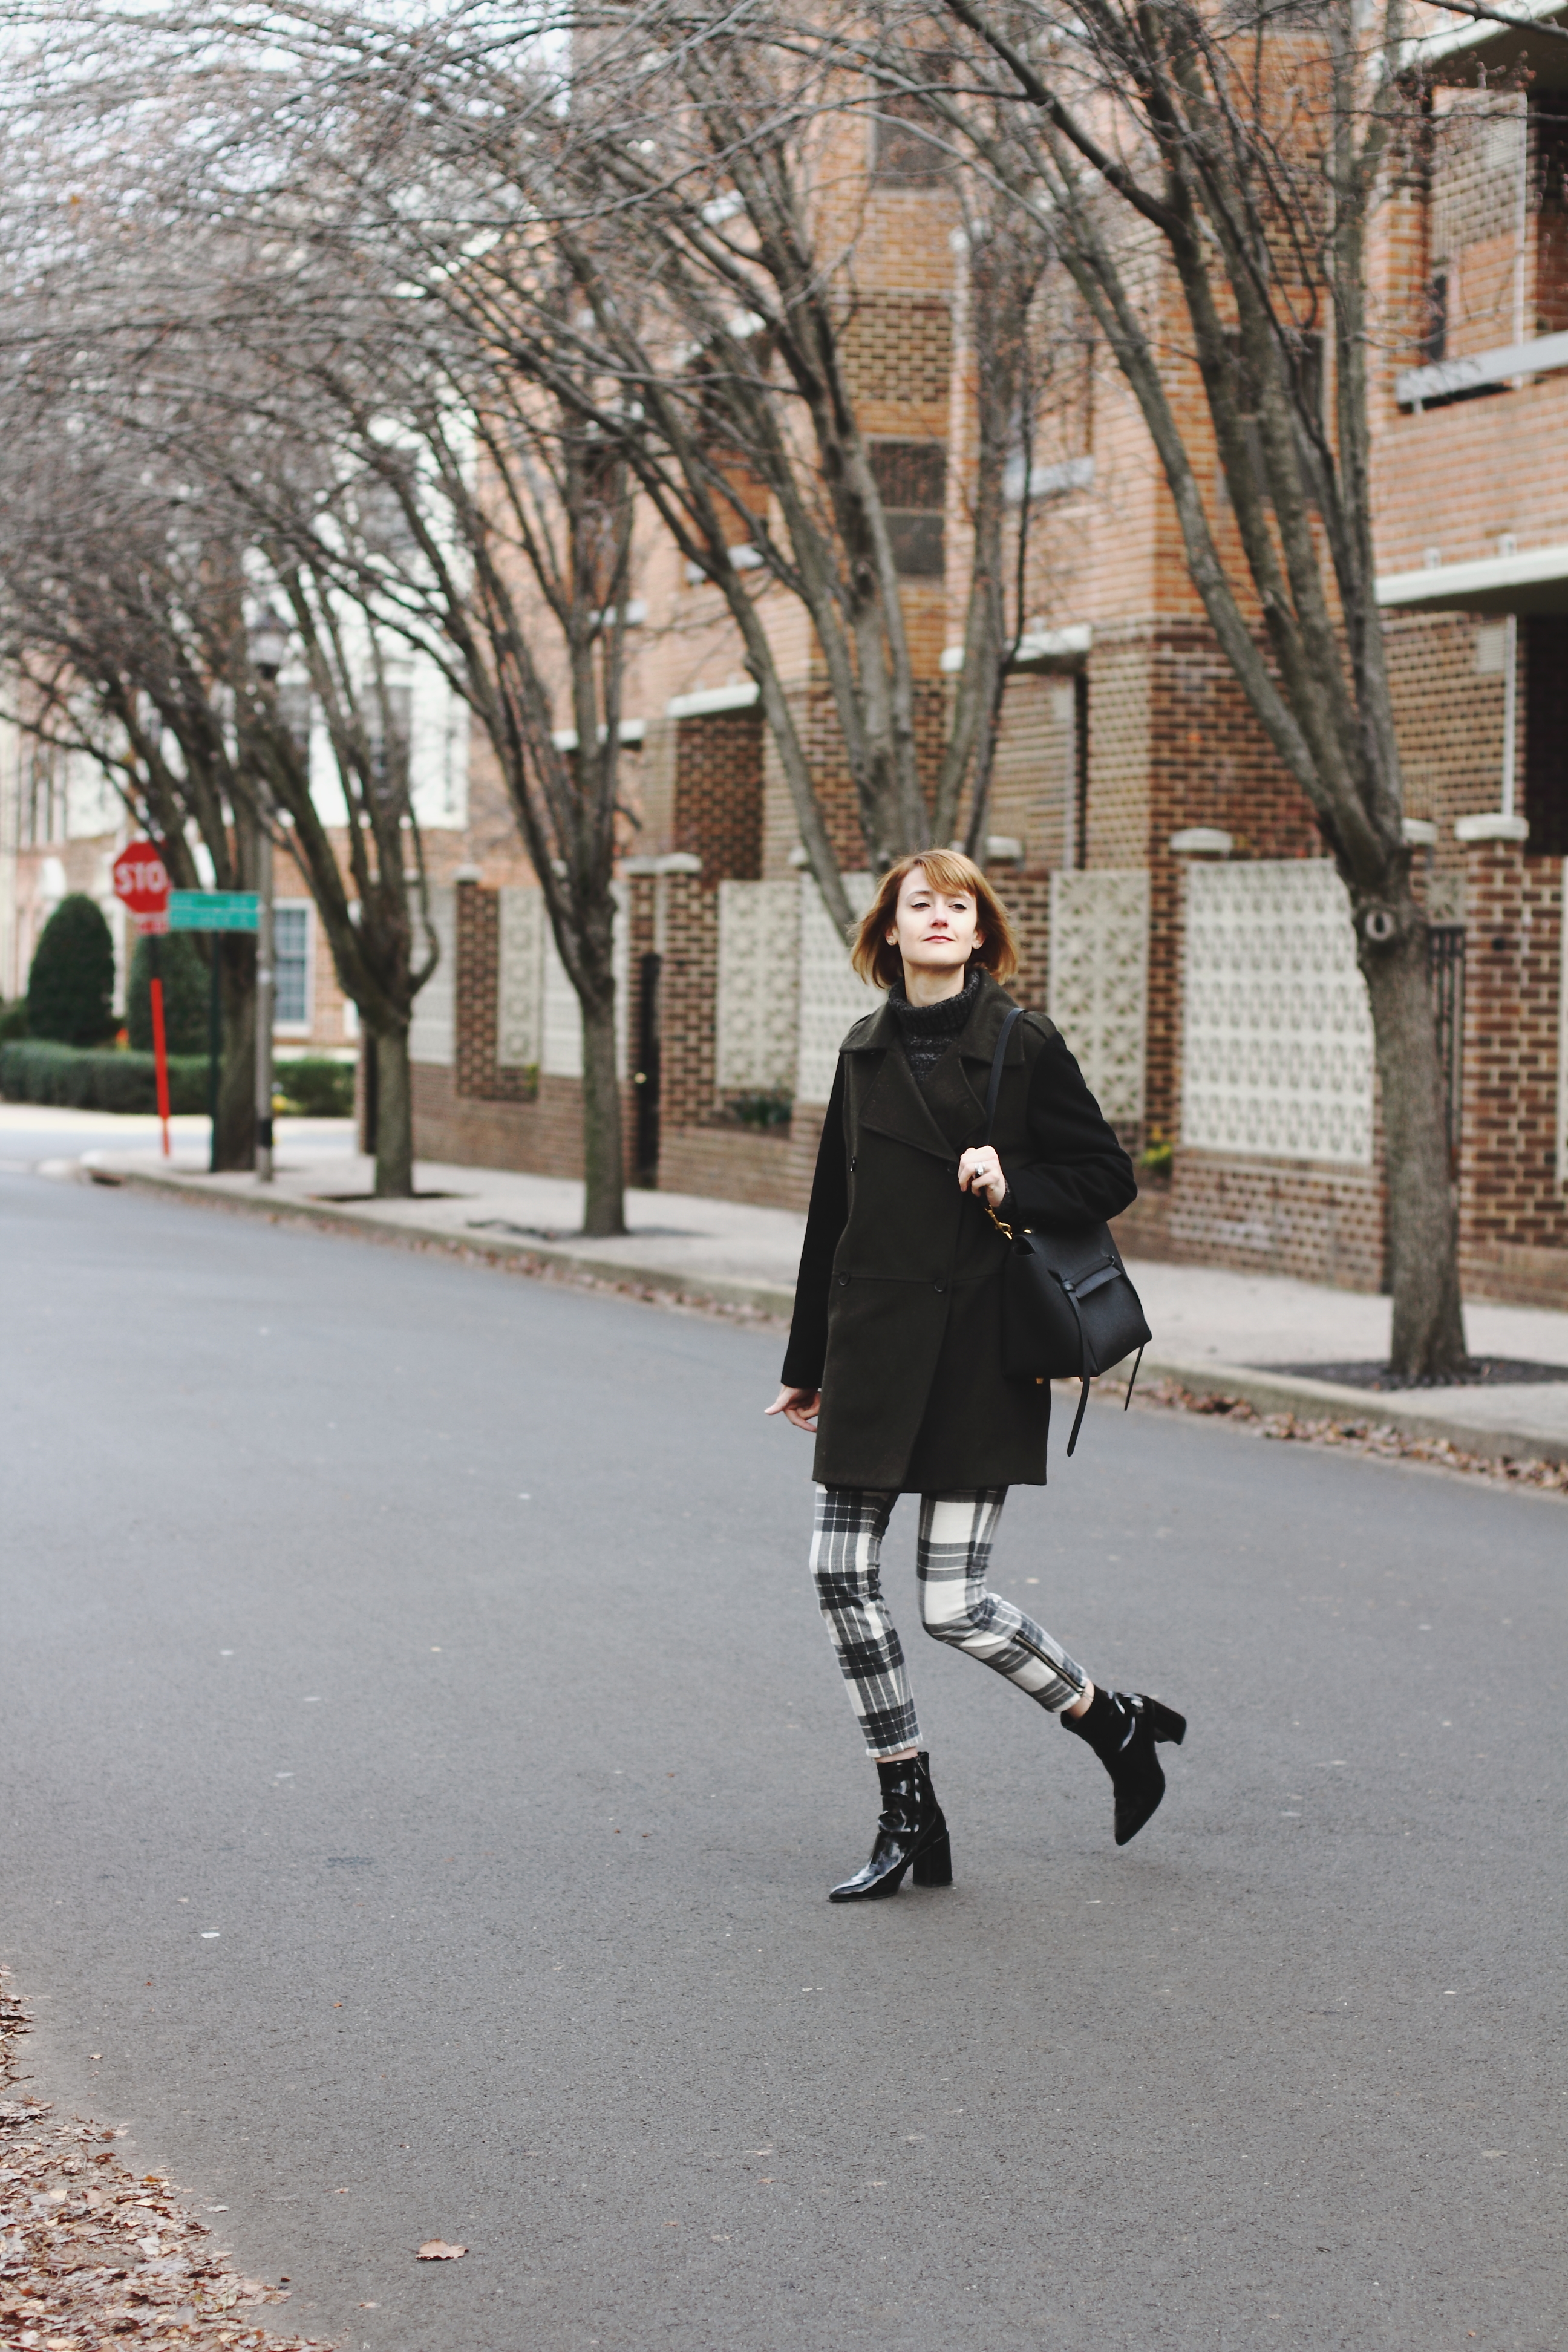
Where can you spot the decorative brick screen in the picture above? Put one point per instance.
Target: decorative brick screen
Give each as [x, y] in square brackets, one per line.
[1099, 996]
[759, 986]
[432, 1033]
[831, 999]
[561, 1018]
[519, 1017]
[1277, 1052]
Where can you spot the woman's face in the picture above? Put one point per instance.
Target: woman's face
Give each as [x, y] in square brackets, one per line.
[933, 930]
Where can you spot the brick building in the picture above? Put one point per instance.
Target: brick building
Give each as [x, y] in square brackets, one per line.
[1180, 920]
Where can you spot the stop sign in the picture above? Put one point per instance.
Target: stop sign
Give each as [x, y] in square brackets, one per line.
[141, 879]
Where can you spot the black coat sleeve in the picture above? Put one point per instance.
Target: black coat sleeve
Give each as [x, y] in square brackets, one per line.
[826, 1221]
[1076, 1173]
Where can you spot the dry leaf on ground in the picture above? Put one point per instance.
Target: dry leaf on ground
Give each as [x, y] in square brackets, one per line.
[90, 2255]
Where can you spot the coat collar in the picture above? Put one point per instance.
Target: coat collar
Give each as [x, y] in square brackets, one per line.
[976, 1039]
[948, 1113]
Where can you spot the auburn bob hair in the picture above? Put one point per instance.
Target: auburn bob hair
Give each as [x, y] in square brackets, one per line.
[877, 960]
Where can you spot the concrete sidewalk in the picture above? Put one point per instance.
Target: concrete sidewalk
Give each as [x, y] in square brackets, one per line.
[1214, 1332]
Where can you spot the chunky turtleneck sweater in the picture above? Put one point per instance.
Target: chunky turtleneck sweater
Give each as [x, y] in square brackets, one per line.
[928, 1030]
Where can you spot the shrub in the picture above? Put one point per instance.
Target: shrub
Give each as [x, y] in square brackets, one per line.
[71, 984]
[315, 1086]
[12, 1020]
[1158, 1154]
[185, 995]
[35, 1070]
[765, 1111]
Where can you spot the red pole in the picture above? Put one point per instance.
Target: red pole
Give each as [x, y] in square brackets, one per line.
[159, 1055]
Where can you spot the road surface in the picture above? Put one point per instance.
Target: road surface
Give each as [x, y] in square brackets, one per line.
[422, 1770]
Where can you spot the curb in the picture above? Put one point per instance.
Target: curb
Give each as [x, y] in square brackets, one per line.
[1328, 1400]
[1310, 1399]
[617, 1274]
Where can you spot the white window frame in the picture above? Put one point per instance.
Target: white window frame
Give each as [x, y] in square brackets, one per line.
[306, 906]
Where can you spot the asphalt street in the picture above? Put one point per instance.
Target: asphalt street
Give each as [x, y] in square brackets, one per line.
[423, 1767]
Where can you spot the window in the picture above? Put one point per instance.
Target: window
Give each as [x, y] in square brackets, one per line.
[911, 476]
[291, 967]
[296, 712]
[1434, 341]
[389, 726]
[381, 520]
[1545, 661]
[903, 155]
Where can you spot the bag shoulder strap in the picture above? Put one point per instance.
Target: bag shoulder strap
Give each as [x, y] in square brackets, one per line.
[995, 1088]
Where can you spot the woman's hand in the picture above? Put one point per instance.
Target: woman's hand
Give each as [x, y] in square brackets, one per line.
[980, 1172]
[798, 1405]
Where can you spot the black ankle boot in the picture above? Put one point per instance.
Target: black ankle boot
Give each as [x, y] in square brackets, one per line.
[1122, 1727]
[912, 1830]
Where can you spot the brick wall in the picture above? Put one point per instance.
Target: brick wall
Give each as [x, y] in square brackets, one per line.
[542, 1137]
[717, 812]
[1264, 1216]
[477, 1113]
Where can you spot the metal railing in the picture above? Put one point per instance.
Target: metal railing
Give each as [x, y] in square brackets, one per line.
[1446, 964]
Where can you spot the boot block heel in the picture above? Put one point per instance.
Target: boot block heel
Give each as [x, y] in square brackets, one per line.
[934, 1866]
[1164, 1722]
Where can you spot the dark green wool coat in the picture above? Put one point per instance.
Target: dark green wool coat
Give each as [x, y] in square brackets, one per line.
[898, 1313]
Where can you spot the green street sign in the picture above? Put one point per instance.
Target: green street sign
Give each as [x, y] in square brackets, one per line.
[213, 910]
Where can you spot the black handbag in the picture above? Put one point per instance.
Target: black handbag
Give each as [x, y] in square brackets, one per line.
[1068, 1308]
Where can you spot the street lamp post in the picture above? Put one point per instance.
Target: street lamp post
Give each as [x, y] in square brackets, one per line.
[269, 651]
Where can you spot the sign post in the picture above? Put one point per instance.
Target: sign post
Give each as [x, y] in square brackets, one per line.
[212, 911]
[142, 886]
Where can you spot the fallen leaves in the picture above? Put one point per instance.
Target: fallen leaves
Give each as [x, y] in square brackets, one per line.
[1370, 1436]
[437, 2249]
[89, 2253]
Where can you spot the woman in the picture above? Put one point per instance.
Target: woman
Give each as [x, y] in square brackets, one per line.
[895, 1353]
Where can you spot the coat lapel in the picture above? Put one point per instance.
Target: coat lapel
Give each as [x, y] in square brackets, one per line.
[894, 1105]
[948, 1113]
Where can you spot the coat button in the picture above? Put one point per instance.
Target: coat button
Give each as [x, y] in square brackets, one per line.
[939, 1288]
[844, 1282]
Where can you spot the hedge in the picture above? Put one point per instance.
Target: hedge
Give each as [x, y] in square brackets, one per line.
[315, 1086]
[35, 1070]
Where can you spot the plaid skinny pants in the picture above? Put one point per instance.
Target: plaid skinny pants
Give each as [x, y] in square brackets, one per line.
[952, 1553]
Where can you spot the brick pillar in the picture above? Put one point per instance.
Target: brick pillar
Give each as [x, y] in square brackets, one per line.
[688, 990]
[1513, 1224]
[1027, 898]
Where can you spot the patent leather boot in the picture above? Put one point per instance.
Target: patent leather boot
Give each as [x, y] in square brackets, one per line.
[1122, 1727]
[911, 1834]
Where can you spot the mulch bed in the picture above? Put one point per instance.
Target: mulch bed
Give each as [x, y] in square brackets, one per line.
[92, 2256]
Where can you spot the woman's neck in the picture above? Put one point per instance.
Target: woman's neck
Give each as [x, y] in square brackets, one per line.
[926, 984]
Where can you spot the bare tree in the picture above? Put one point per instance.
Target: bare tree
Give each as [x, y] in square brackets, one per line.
[1209, 180]
[662, 240]
[93, 627]
[510, 567]
[133, 589]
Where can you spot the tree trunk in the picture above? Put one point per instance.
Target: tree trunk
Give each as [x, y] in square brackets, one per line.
[1429, 1341]
[234, 1145]
[603, 1175]
[394, 1117]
